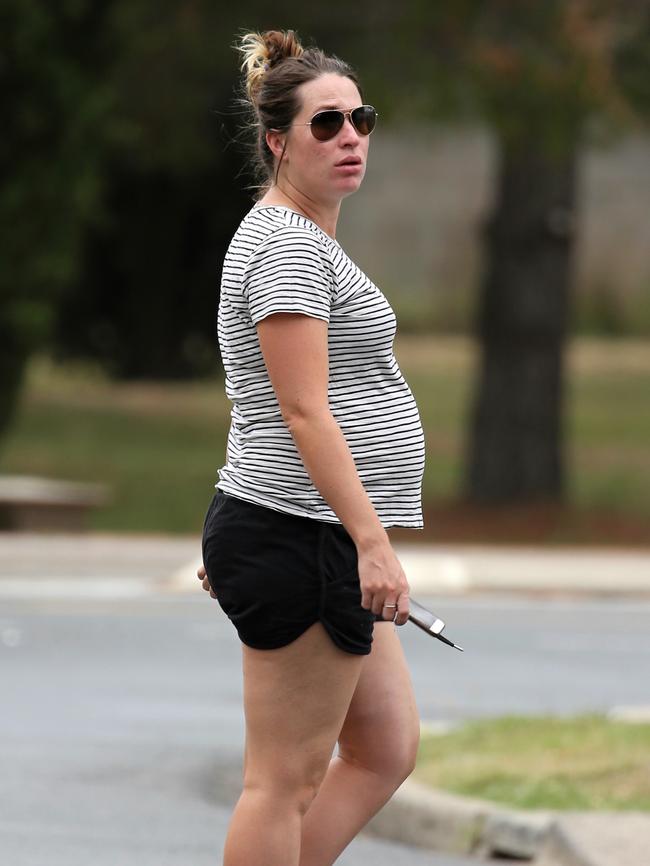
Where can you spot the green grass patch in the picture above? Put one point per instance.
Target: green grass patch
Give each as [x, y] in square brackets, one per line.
[585, 762]
[158, 445]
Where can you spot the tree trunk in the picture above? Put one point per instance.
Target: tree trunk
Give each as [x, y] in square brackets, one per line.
[515, 451]
[13, 359]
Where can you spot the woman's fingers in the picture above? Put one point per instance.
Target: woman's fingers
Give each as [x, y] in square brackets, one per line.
[402, 614]
[383, 583]
[205, 583]
[389, 609]
[396, 609]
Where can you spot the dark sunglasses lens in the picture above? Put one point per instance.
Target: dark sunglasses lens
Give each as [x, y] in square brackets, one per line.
[326, 124]
[364, 119]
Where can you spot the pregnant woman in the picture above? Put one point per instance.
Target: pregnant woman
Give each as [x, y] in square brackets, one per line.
[325, 451]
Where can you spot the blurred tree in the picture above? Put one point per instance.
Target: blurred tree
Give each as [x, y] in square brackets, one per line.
[544, 71]
[119, 196]
[545, 75]
[176, 185]
[123, 180]
[145, 301]
[54, 109]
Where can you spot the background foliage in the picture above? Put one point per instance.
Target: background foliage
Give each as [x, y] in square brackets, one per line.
[122, 165]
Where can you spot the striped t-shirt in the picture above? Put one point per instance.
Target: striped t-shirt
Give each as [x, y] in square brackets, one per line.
[281, 261]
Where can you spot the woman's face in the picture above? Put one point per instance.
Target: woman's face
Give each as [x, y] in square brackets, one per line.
[312, 166]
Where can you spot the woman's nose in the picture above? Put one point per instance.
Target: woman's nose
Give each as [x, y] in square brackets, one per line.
[348, 130]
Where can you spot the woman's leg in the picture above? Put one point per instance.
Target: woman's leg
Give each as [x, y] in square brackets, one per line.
[377, 750]
[295, 701]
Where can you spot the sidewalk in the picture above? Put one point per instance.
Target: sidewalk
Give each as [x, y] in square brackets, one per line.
[169, 563]
[79, 565]
[457, 569]
[113, 565]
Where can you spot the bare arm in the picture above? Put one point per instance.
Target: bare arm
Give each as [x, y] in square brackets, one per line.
[294, 347]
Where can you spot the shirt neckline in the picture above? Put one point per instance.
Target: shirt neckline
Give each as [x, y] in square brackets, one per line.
[291, 210]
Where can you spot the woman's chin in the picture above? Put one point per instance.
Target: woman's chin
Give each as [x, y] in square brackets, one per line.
[348, 185]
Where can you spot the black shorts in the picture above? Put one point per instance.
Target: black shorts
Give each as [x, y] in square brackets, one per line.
[275, 574]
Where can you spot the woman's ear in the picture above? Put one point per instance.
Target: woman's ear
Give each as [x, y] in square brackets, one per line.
[276, 142]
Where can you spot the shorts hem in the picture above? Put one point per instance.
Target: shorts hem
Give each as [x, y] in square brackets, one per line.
[275, 645]
[356, 652]
[268, 645]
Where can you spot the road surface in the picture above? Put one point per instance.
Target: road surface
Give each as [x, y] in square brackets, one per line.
[122, 728]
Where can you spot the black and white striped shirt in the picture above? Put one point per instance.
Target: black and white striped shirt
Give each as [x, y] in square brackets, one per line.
[280, 261]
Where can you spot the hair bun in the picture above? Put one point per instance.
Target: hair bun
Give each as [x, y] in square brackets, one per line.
[263, 51]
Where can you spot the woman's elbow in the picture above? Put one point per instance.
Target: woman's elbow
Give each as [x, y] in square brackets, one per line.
[304, 414]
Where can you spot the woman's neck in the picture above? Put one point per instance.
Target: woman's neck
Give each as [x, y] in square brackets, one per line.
[325, 218]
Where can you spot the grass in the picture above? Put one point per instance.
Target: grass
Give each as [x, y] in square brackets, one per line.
[585, 762]
[607, 419]
[159, 445]
[156, 445]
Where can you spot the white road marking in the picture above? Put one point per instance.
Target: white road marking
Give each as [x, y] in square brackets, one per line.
[591, 643]
[91, 587]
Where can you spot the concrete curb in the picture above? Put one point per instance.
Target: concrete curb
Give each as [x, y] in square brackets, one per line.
[430, 568]
[560, 849]
[430, 818]
[473, 568]
[462, 568]
[597, 839]
[437, 820]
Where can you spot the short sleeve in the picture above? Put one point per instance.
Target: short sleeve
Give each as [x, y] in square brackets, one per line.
[289, 272]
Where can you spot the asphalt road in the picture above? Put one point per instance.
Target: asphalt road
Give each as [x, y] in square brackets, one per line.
[122, 727]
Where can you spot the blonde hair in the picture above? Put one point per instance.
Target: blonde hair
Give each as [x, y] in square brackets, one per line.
[261, 52]
[274, 65]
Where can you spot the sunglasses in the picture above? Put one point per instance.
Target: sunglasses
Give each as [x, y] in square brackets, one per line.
[326, 124]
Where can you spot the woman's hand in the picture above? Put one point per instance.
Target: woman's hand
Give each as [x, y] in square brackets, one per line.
[383, 582]
[205, 583]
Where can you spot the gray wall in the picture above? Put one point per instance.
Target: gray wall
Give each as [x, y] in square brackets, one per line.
[413, 225]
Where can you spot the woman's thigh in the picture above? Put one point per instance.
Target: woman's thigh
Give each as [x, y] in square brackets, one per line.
[295, 700]
[381, 730]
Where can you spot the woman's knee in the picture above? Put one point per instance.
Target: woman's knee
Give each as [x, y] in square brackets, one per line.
[384, 743]
[288, 786]
[406, 753]
[392, 758]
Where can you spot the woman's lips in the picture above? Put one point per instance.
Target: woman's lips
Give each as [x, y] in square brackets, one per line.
[350, 167]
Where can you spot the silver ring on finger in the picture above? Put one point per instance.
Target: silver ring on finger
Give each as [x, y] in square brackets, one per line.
[395, 611]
